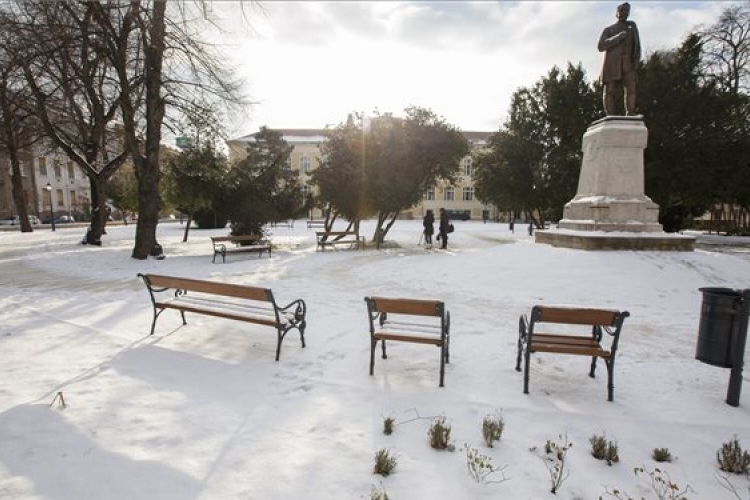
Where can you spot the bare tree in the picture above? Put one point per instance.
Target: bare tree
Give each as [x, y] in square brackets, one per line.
[726, 47]
[160, 58]
[18, 128]
[73, 91]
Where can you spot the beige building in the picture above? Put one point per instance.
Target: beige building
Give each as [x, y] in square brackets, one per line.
[458, 198]
[69, 192]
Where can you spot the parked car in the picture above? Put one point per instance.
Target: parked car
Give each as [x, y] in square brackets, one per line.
[65, 219]
[15, 220]
[33, 219]
[459, 214]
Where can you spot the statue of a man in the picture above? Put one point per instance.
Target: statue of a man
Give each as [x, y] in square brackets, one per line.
[622, 47]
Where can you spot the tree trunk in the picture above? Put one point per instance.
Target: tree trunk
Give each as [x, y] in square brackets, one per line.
[98, 212]
[147, 167]
[18, 197]
[12, 147]
[187, 226]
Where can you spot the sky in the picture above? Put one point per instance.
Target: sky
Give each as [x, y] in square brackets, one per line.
[308, 64]
[203, 412]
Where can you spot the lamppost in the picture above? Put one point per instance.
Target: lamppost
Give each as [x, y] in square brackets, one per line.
[51, 212]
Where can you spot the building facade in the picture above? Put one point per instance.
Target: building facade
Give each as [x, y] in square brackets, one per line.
[458, 198]
[69, 191]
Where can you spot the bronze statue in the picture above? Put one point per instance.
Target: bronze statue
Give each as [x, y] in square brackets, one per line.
[622, 46]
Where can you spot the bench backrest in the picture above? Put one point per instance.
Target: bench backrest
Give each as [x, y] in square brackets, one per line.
[335, 233]
[244, 237]
[414, 307]
[575, 316]
[156, 282]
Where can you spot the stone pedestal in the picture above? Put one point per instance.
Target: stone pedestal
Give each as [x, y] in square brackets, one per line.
[610, 208]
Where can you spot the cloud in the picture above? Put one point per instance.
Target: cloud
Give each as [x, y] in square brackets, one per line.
[310, 63]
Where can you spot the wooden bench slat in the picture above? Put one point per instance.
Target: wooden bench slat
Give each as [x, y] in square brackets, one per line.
[251, 248]
[212, 287]
[406, 337]
[569, 349]
[220, 314]
[581, 316]
[564, 339]
[415, 307]
[243, 237]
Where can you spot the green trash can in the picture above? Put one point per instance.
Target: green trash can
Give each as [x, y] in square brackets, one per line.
[719, 326]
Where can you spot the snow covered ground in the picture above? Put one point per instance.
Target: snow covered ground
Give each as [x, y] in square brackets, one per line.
[204, 412]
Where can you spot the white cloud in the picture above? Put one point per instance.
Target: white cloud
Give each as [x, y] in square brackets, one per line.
[308, 64]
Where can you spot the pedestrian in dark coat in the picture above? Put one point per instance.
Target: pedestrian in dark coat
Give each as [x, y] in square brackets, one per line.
[429, 228]
[445, 223]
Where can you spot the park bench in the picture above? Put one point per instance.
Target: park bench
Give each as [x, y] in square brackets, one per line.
[256, 243]
[600, 321]
[409, 320]
[289, 223]
[311, 223]
[334, 238]
[238, 302]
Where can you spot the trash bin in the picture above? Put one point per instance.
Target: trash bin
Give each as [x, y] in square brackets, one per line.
[719, 325]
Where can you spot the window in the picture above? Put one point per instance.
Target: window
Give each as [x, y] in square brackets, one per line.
[468, 194]
[42, 165]
[71, 171]
[58, 170]
[60, 197]
[73, 199]
[305, 165]
[46, 197]
[468, 166]
[429, 194]
[448, 194]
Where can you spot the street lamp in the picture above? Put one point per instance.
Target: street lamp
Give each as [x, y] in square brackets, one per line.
[51, 213]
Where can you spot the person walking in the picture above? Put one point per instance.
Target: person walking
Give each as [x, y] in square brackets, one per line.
[443, 229]
[429, 228]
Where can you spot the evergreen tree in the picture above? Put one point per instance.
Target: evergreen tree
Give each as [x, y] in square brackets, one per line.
[533, 164]
[262, 187]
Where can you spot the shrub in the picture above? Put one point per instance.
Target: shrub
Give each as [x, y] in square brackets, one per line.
[492, 428]
[440, 434]
[661, 455]
[732, 458]
[480, 466]
[602, 449]
[555, 461]
[388, 426]
[384, 462]
[661, 485]
[377, 494]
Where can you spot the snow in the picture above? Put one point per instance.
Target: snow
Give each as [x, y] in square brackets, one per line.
[203, 411]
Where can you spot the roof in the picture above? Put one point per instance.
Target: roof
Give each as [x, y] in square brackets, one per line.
[317, 135]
